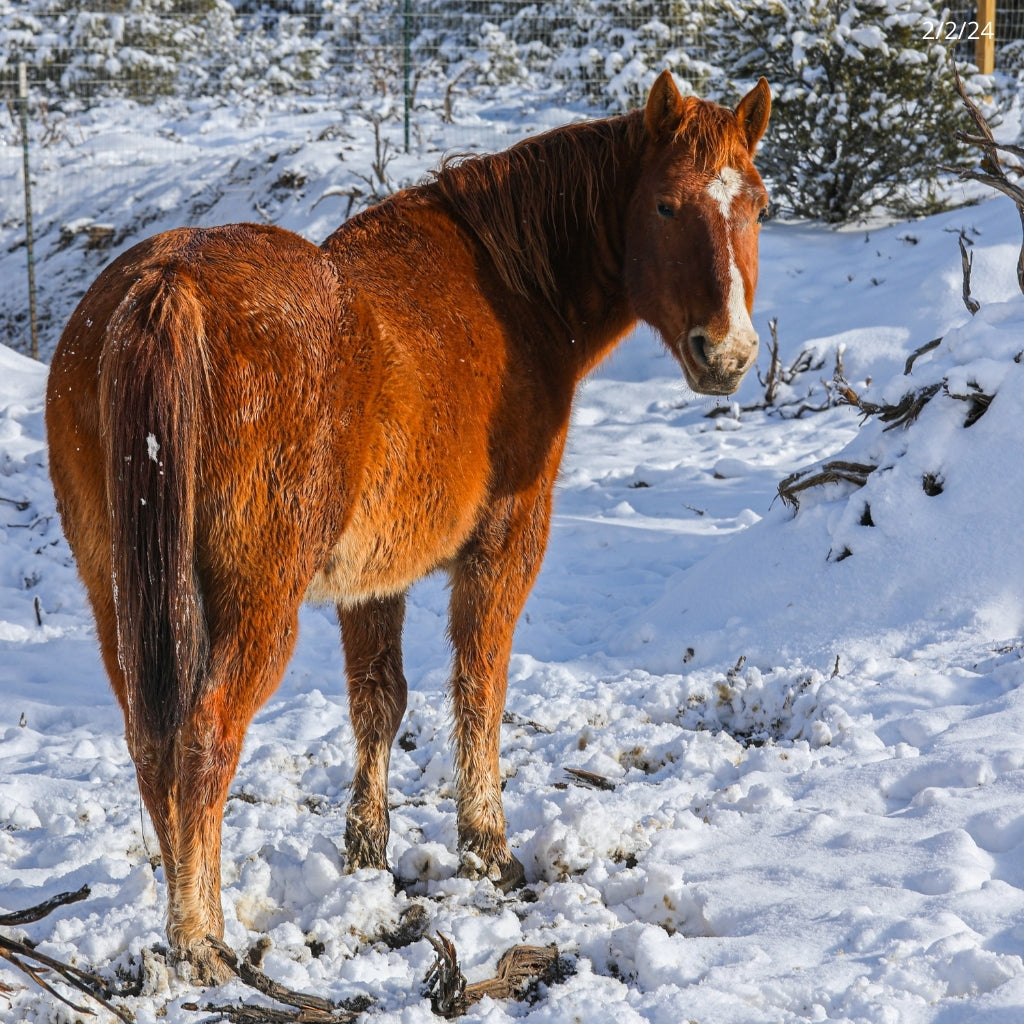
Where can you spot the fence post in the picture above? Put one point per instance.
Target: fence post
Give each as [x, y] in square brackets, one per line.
[29, 240]
[985, 47]
[407, 65]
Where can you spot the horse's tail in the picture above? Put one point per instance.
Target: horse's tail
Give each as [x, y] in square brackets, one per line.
[153, 388]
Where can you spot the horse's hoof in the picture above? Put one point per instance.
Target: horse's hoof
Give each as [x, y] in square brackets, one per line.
[505, 875]
[365, 847]
[205, 963]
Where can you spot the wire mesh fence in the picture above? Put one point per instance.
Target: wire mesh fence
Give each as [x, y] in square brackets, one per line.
[406, 56]
[117, 88]
[121, 90]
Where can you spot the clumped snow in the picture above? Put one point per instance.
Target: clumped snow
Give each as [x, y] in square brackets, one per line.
[814, 806]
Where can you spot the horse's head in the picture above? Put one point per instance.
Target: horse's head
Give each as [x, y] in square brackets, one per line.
[691, 241]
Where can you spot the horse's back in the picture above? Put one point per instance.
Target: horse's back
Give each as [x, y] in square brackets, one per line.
[486, 362]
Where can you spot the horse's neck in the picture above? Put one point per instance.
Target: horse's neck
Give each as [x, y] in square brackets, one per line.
[555, 230]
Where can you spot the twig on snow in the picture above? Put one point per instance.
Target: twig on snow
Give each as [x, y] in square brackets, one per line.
[966, 264]
[517, 970]
[305, 1008]
[32, 963]
[831, 473]
[926, 347]
[591, 779]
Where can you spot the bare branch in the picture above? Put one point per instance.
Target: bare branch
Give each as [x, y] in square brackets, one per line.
[966, 263]
[591, 779]
[991, 171]
[517, 969]
[835, 472]
[38, 912]
[307, 1009]
[21, 955]
[926, 347]
[771, 383]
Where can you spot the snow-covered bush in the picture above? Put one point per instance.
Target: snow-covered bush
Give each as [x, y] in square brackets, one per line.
[612, 50]
[140, 49]
[864, 106]
[280, 56]
[1009, 78]
[37, 34]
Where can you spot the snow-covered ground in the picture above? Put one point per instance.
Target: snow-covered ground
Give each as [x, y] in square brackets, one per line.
[812, 723]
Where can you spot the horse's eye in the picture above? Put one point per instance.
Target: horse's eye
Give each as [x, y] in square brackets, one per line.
[764, 213]
[664, 210]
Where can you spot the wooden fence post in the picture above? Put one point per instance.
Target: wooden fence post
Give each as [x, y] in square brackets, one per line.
[985, 46]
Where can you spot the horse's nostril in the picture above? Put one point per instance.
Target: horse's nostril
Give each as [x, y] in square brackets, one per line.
[699, 346]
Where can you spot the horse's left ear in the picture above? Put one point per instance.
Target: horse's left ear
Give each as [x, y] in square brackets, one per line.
[664, 110]
[752, 113]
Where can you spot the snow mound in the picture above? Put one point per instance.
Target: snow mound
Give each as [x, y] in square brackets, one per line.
[928, 537]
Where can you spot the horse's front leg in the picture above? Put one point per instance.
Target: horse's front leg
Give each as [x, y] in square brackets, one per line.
[371, 634]
[490, 583]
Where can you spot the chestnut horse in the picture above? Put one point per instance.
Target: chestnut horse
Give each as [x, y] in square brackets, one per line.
[240, 420]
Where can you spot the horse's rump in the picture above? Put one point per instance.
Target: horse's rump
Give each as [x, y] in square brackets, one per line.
[219, 384]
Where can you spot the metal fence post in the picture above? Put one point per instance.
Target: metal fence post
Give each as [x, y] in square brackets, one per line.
[29, 240]
[407, 65]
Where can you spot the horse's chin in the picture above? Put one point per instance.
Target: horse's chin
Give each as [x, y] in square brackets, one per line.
[712, 384]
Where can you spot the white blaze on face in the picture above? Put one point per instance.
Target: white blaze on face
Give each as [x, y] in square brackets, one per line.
[724, 189]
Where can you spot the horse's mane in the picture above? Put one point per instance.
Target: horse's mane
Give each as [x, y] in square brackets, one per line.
[515, 201]
[519, 203]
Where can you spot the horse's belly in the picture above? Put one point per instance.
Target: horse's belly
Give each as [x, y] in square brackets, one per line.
[381, 552]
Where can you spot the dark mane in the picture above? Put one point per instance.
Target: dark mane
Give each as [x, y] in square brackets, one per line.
[525, 201]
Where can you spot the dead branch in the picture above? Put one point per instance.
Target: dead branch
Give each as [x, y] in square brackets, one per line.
[517, 970]
[977, 401]
[926, 347]
[982, 140]
[445, 983]
[32, 963]
[29, 961]
[990, 170]
[305, 1008]
[835, 472]
[902, 414]
[779, 374]
[771, 383]
[40, 911]
[966, 264]
[734, 672]
[591, 779]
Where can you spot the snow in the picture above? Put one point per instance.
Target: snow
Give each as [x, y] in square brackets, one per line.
[816, 762]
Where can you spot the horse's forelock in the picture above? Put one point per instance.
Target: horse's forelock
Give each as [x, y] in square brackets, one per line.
[711, 133]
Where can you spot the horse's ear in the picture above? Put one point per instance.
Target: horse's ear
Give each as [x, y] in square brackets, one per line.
[664, 110]
[752, 113]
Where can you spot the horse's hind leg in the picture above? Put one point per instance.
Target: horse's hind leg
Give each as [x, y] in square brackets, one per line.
[372, 637]
[184, 777]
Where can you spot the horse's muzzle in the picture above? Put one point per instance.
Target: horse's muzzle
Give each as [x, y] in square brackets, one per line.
[717, 367]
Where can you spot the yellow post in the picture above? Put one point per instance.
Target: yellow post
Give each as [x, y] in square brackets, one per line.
[985, 46]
